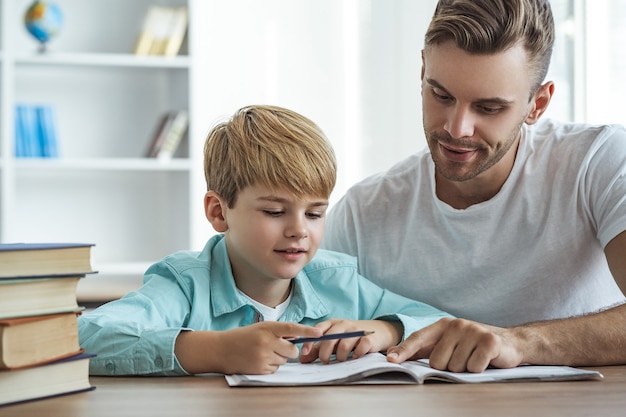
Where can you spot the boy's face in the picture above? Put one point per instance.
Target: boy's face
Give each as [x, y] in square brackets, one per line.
[271, 234]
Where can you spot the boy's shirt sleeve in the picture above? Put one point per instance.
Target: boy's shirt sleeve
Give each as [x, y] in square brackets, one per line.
[135, 335]
[334, 277]
[414, 315]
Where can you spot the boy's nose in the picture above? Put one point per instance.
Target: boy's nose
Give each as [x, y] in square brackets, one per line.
[297, 229]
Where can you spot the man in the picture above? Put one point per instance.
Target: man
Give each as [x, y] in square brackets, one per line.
[504, 219]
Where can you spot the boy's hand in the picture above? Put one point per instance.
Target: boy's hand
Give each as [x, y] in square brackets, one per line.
[259, 348]
[386, 334]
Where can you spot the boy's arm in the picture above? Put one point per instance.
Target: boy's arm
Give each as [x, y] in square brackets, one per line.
[146, 345]
[135, 335]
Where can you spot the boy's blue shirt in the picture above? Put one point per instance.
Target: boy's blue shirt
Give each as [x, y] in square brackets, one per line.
[135, 335]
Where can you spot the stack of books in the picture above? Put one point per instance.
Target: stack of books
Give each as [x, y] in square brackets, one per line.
[40, 356]
[35, 131]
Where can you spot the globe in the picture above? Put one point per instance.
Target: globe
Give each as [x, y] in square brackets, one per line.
[43, 20]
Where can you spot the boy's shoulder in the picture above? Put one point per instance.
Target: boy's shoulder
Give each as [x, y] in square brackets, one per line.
[181, 263]
[328, 259]
[189, 258]
[184, 257]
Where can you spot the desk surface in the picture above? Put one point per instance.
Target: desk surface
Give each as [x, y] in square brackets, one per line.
[211, 396]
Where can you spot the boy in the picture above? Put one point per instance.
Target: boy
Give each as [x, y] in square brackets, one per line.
[230, 308]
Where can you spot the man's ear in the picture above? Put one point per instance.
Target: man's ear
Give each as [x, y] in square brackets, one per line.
[214, 208]
[541, 99]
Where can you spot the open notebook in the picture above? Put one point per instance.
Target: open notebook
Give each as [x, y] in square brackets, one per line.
[374, 369]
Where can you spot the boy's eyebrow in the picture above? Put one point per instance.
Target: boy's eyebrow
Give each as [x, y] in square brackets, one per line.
[276, 199]
[493, 100]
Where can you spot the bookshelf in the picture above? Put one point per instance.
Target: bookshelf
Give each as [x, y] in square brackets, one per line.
[107, 101]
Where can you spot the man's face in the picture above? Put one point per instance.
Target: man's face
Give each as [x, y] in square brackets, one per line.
[473, 107]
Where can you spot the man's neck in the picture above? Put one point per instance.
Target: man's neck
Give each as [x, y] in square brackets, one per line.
[463, 194]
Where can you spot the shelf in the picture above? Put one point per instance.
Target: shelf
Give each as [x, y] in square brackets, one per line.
[106, 164]
[107, 102]
[104, 60]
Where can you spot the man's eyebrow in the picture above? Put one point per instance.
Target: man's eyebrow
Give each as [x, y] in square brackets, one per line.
[490, 100]
[437, 85]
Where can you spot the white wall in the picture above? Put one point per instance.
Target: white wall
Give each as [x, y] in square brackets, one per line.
[352, 66]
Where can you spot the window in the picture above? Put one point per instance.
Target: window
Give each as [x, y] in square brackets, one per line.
[589, 61]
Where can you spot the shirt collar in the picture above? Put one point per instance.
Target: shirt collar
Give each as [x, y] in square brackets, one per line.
[225, 297]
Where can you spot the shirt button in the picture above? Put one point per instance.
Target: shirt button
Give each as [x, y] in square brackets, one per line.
[158, 362]
[110, 367]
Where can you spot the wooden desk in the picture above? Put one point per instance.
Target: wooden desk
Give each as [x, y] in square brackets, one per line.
[211, 396]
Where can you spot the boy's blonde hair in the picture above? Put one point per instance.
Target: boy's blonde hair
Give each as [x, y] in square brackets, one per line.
[272, 146]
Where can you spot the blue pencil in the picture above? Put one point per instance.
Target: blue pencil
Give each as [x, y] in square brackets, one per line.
[331, 336]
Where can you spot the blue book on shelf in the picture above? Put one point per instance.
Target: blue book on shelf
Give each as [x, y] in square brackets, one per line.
[26, 132]
[19, 133]
[47, 134]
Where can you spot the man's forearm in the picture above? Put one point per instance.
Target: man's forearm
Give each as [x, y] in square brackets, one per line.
[591, 340]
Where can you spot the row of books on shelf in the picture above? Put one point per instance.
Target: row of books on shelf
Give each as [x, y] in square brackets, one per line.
[163, 31]
[169, 132]
[40, 355]
[35, 131]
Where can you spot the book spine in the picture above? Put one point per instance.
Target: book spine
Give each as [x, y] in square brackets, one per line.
[158, 136]
[146, 36]
[163, 31]
[29, 146]
[46, 131]
[174, 135]
[178, 28]
[20, 150]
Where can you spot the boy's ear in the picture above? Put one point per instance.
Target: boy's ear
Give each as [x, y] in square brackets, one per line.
[214, 209]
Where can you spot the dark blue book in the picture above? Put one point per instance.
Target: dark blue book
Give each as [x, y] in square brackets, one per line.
[62, 377]
[44, 259]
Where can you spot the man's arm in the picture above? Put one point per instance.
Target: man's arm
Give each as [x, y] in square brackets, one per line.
[462, 345]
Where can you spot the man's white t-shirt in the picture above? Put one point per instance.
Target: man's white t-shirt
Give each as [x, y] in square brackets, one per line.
[532, 252]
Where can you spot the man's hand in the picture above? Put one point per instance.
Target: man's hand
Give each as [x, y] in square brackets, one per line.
[460, 345]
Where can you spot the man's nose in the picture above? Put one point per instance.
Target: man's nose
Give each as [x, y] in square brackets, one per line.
[460, 122]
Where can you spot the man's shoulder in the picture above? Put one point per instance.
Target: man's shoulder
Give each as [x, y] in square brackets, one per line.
[569, 139]
[550, 130]
[404, 174]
